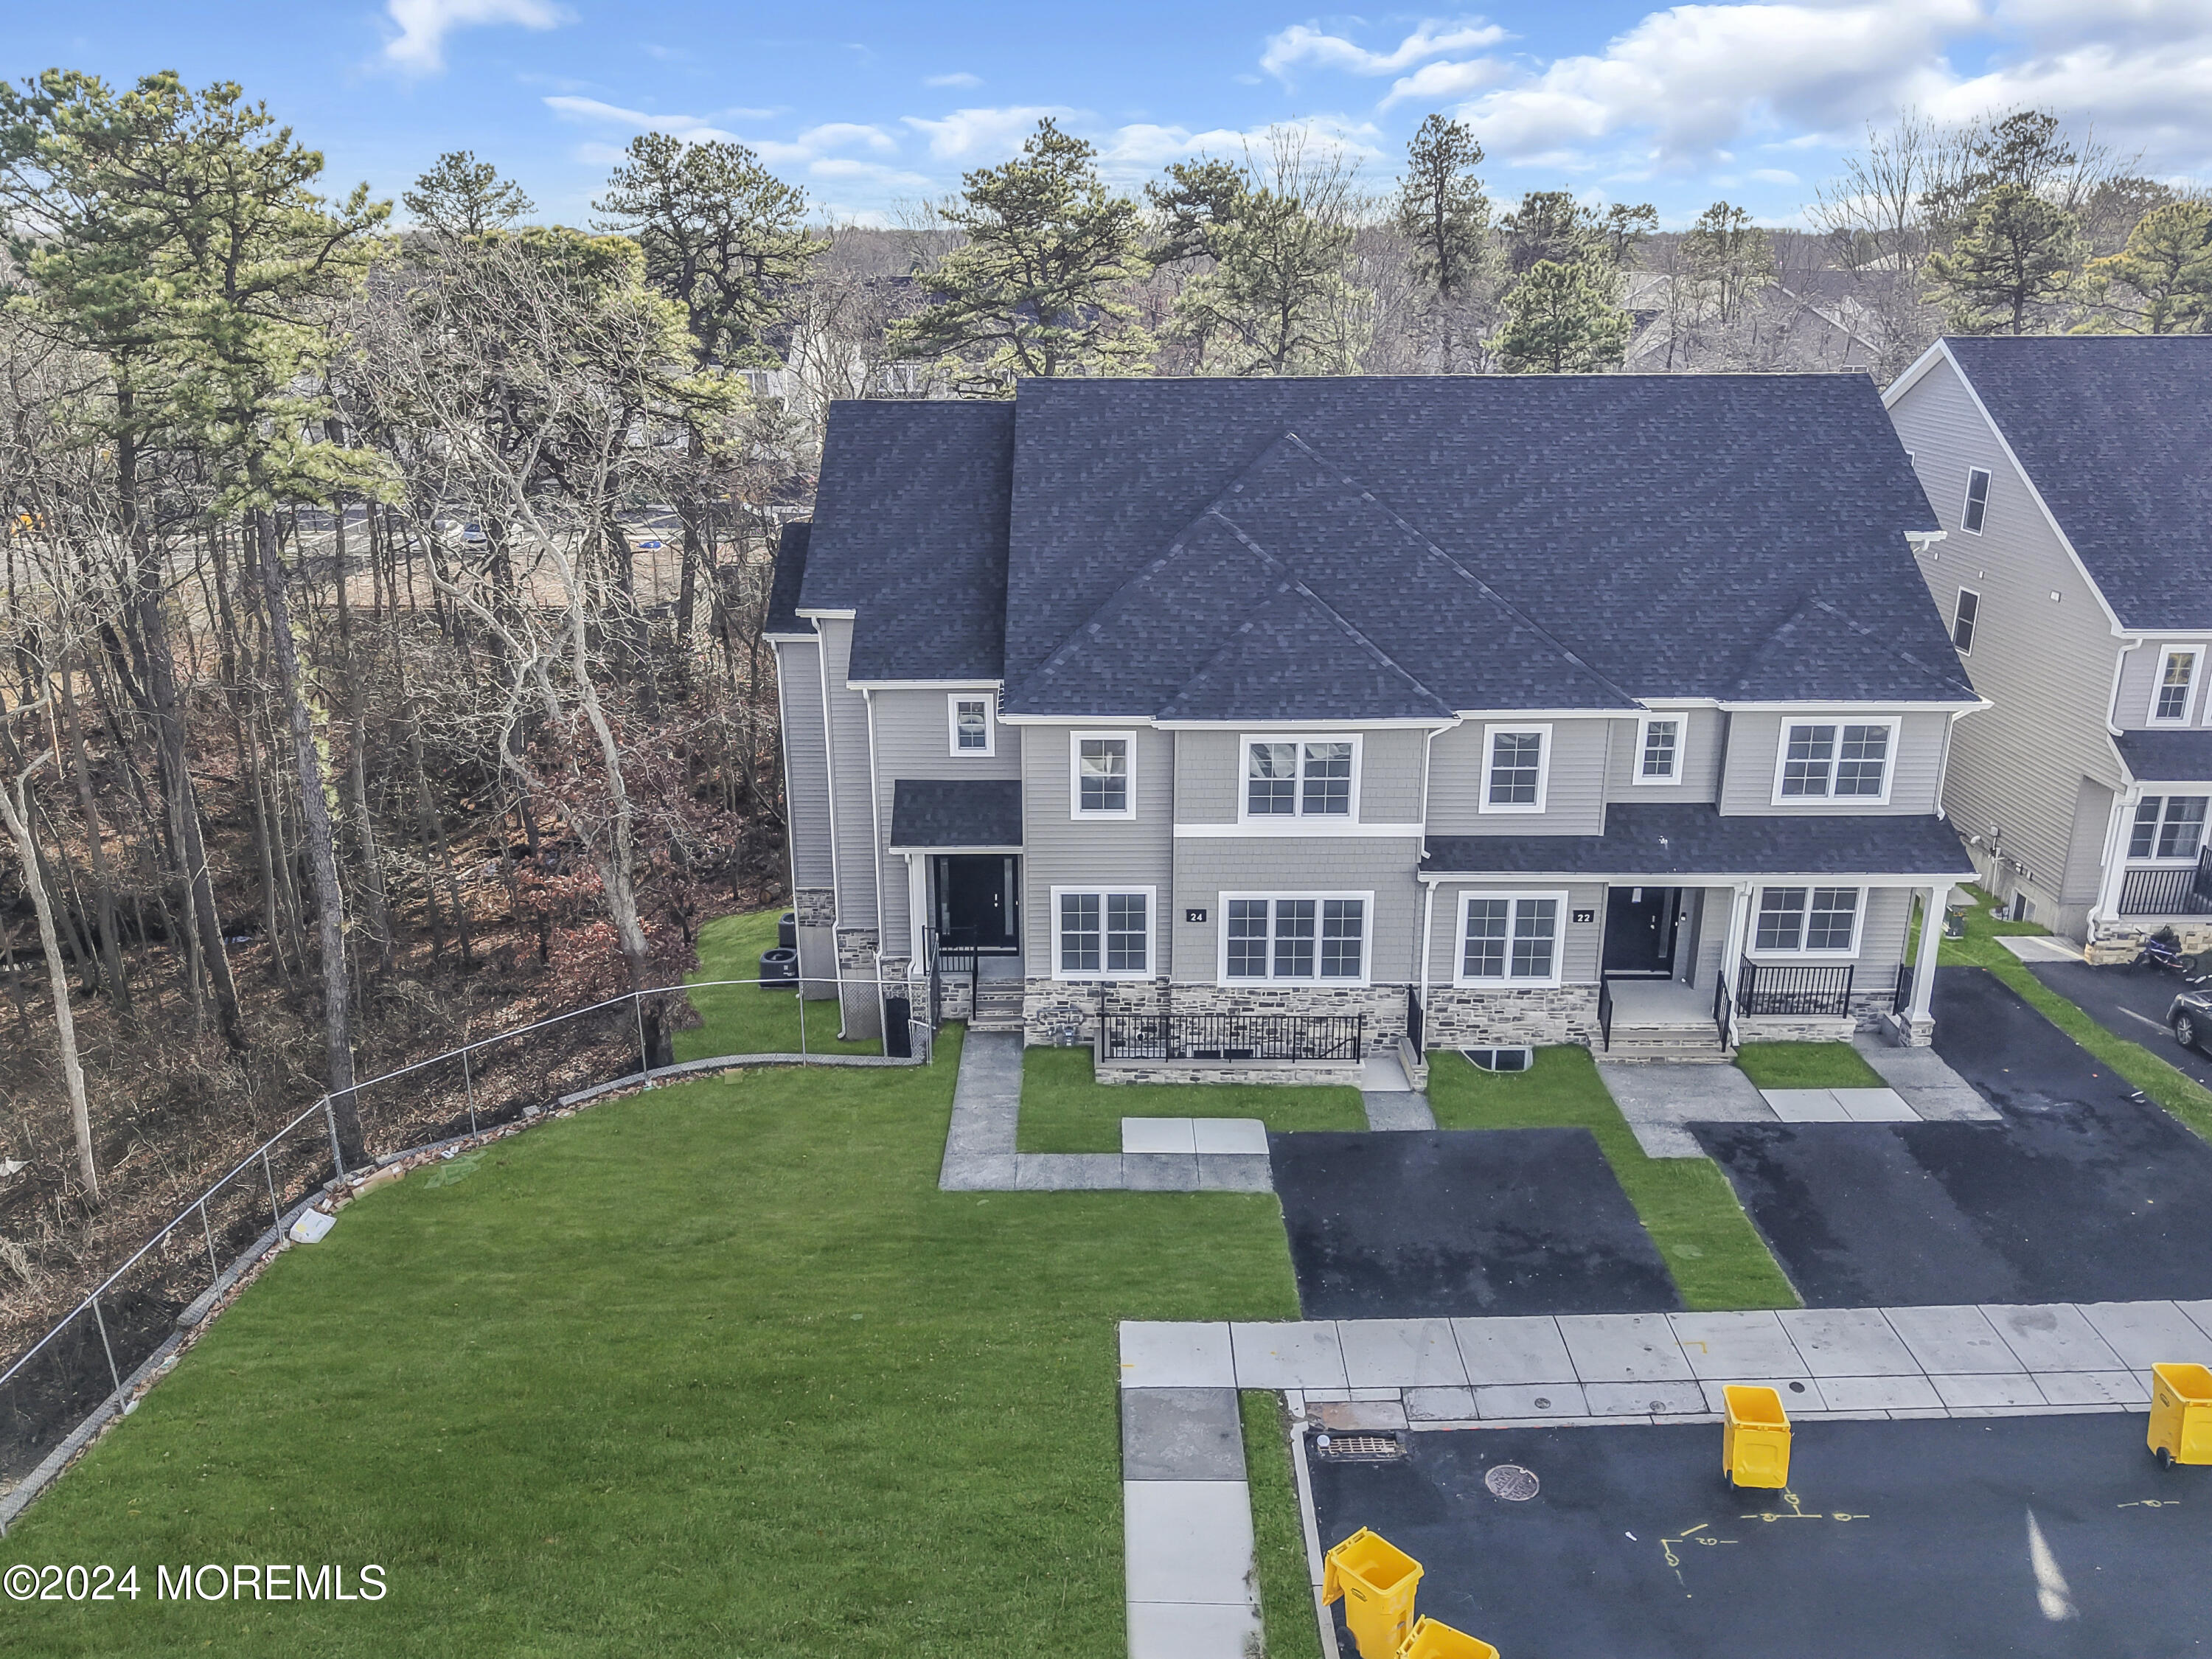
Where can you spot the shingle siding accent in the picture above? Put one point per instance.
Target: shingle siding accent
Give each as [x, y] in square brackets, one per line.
[1059, 851]
[1206, 867]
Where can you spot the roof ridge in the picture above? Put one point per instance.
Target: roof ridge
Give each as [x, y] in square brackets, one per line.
[1565, 652]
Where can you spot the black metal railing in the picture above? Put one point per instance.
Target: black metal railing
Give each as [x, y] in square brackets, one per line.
[1604, 1015]
[1413, 1018]
[1902, 1002]
[1289, 1038]
[1721, 1007]
[1789, 988]
[2173, 892]
[951, 963]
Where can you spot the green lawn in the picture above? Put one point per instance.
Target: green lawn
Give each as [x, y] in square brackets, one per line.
[714, 1370]
[745, 1019]
[1717, 1257]
[1064, 1110]
[1807, 1065]
[1278, 1538]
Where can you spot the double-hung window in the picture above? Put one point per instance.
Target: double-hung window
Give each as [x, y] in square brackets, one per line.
[1295, 938]
[1977, 501]
[1102, 934]
[1962, 620]
[1659, 748]
[1300, 777]
[2167, 827]
[1806, 922]
[1516, 765]
[1510, 938]
[1835, 760]
[2177, 679]
[972, 726]
[1104, 765]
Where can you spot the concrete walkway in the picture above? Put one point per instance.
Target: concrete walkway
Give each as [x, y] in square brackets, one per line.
[1192, 1583]
[1389, 1100]
[980, 1153]
[1934, 1091]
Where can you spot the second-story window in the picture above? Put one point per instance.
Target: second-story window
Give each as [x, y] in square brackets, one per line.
[1516, 769]
[1659, 756]
[971, 724]
[1300, 778]
[1977, 501]
[1103, 767]
[2167, 827]
[1962, 620]
[2176, 679]
[1839, 760]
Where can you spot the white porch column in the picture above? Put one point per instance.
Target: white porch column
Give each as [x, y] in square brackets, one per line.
[1931, 938]
[917, 907]
[1732, 958]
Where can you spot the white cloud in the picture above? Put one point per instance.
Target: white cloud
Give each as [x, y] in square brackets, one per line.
[1142, 149]
[957, 78]
[983, 134]
[419, 48]
[1301, 42]
[1774, 175]
[1435, 82]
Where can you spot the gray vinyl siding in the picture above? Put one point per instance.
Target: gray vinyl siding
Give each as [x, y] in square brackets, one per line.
[1580, 940]
[1207, 866]
[1755, 745]
[2140, 671]
[1059, 851]
[1574, 796]
[2085, 855]
[1210, 775]
[805, 761]
[2047, 667]
[1704, 735]
[1711, 958]
[914, 739]
[850, 797]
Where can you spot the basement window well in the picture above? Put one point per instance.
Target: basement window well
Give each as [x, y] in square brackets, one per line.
[1500, 1059]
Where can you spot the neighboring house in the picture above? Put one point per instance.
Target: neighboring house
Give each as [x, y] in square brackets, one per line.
[1232, 720]
[2075, 477]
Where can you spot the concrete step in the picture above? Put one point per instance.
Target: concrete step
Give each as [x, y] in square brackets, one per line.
[1675, 1042]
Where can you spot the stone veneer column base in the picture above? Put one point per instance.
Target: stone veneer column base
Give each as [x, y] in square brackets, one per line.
[859, 1008]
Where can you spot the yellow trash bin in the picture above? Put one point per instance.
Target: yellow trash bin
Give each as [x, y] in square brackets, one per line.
[2181, 1413]
[1756, 1444]
[1376, 1580]
[1431, 1640]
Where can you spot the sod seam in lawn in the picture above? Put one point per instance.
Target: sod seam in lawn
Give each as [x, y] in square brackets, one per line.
[1291, 1628]
[1065, 1109]
[1717, 1257]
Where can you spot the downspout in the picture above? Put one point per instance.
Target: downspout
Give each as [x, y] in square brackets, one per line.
[836, 866]
[876, 859]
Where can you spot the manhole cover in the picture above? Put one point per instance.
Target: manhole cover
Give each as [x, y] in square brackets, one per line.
[1348, 1447]
[1512, 1482]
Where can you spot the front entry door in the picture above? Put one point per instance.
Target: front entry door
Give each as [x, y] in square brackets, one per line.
[1639, 932]
[978, 902]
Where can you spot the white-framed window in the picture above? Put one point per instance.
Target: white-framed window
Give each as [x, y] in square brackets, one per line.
[1296, 939]
[1510, 938]
[1102, 774]
[1839, 759]
[1806, 922]
[971, 723]
[2167, 827]
[1977, 508]
[1102, 932]
[2177, 684]
[1516, 767]
[1301, 777]
[1659, 748]
[1964, 612]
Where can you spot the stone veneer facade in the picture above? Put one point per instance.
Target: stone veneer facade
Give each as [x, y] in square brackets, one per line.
[814, 907]
[1056, 1011]
[860, 1012]
[1459, 1017]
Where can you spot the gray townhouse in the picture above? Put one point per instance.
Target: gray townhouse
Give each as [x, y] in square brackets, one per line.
[2073, 476]
[1240, 725]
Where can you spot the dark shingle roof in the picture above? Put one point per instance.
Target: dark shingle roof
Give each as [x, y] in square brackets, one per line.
[1697, 841]
[2115, 433]
[910, 534]
[1503, 542]
[2167, 756]
[943, 813]
[783, 616]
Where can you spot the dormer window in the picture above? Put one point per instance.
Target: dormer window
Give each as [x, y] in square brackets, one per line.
[2177, 679]
[970, 717]
[1516, 767]
[1834, 760]
[1299, 777]
[1977, 501]
[1103, 766]
[1659, 750]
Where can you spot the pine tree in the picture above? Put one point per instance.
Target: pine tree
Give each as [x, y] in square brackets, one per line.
[463, 197]
[1560, 319]
[2018, 252]
[1731, 258]
[2165, 270]
[1442, 210]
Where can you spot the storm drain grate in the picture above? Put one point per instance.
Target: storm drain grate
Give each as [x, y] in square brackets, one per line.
[1512, 1482]
[1363, 1446]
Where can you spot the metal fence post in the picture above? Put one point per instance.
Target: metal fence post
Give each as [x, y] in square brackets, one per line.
[802, 1016]
[331, 1121]
[105, 1343]
[468, 1083]
[275, 1213]
[213, 1272]
[644, 1063]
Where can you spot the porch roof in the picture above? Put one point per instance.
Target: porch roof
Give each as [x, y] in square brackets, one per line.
[944, 815]
[1697, 840]
[2178, 756]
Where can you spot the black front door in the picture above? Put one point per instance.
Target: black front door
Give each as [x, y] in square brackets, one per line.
[978, 902]
[1640, 930]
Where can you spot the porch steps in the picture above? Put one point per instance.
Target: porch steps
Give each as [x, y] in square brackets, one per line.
[998, 1006]
[1693, 1043]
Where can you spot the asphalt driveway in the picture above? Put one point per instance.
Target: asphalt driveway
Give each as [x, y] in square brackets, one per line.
[2128, 1002]
[1448, 1223]
[2085, 1192]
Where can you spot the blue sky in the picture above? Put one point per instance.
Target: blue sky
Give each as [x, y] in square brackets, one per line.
[868, 104]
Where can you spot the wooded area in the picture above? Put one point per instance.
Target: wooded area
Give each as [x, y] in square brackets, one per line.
[384, 600]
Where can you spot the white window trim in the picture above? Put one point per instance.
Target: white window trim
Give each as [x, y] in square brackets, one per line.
[2154, 858]
[1297, 812]
[1366, 940]
[1966, 497]
[1102, 889]
[1681, 719]
[1506, 981]
[1075, 740]
[1957, 600]
[1830, 801]
[1490, 736]
[952, 701]
[2151, 716]
[1757, 953]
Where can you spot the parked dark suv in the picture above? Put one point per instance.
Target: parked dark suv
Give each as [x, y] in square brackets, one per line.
[2189, 1019]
